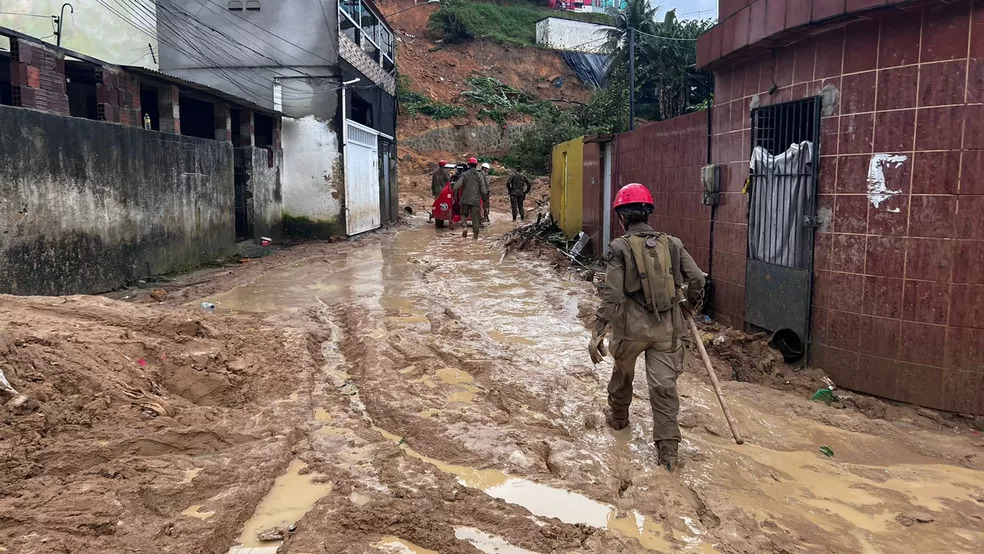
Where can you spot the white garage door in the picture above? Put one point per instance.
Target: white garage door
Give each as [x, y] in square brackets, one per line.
[361, 180]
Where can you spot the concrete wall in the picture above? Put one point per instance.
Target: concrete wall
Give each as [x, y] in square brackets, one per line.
[87, 206]
[92, 29]
[467, 138]
[566, 34]
[265, 202]
[247, 52]
[899, 292]
[312, 184]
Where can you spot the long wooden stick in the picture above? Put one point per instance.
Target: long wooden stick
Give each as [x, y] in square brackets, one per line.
[714, 380]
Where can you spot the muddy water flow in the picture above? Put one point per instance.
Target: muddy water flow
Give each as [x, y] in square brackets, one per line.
[534, 319]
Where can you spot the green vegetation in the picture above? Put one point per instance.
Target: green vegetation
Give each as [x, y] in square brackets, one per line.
[498, 101]
[414, 103]
[505, 22]
[668, 84]
[606, 112]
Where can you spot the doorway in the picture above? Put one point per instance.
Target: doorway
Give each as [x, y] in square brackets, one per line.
[782, 217]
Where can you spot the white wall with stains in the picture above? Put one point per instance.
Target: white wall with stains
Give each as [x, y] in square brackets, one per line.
[313, 186]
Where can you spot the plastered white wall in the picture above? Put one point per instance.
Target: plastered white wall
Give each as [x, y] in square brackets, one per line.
[312, 179]
[565, 34]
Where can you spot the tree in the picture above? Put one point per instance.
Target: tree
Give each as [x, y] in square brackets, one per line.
[668, 83]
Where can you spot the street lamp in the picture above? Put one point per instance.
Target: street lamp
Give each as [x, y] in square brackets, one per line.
[412, 7]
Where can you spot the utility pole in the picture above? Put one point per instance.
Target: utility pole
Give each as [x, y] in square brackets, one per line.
[631, 77]
[59, 20]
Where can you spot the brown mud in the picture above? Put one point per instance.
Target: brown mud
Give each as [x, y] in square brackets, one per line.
[407, 392]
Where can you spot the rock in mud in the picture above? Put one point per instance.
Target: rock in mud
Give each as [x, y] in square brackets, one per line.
[22, 405]
[158, 294]
[273, 534]
[909, 519]
[450, 313]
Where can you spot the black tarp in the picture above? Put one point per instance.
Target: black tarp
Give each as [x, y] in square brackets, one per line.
[591, 68]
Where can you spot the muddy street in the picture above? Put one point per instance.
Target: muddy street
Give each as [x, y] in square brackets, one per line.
[409, 392]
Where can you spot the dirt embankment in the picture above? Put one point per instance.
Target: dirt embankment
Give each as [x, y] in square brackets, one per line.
[440, 71]
[137, 414]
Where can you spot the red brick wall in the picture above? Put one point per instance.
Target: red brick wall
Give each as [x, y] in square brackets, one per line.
[667, 156]
[899, 294]
[118, 97]
[592, 196]
[37, 77]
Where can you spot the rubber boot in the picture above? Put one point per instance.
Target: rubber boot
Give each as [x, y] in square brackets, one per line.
[464, 234]
[616, 423]
[667, 452]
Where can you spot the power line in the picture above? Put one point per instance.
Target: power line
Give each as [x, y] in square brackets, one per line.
[665, 38]
[27, 14]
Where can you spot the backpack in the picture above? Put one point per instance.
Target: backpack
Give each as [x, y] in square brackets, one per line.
[651, 252]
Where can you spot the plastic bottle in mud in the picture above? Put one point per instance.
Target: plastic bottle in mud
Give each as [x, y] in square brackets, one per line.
[208, 306]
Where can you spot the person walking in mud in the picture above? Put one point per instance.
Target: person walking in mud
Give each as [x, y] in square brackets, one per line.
[469, 190]
[518, 186]
[486, 193]
[641, 302]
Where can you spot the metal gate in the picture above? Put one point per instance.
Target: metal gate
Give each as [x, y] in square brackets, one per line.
[782, 216]
[242, 169]
[361, 179]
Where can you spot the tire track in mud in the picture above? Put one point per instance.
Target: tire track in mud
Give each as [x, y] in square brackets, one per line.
[400, 365]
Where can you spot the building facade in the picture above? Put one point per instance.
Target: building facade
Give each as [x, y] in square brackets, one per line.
[833, 191]
[329, 67]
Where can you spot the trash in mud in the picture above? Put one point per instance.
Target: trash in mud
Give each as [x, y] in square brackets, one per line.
[158, 294]
[824, 395]
[265, 241]
[911, 518]
[5, 385]
[827, 451]
[272, 534]
[22, 405]
[142, 362]
[208, 306]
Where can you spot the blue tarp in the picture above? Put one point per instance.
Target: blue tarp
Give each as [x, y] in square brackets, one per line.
[591, 68]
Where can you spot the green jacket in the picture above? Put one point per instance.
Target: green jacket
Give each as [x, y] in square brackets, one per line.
[470, 184]
[519, 185]
[438, 179]
[622, 305]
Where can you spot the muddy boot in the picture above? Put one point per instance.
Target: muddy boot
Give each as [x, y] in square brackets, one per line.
[464, 234]
[667, 450]
[616, 423]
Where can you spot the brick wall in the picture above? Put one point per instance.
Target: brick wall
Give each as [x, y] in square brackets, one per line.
[667, 157]
[353, 54]
[37, 77]
[118, 97]
[899, 292]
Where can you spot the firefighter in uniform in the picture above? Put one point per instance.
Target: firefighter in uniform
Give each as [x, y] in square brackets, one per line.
[469, 188]
[647, 274]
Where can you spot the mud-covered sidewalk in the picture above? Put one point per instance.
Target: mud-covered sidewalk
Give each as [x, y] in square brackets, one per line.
[409, 392]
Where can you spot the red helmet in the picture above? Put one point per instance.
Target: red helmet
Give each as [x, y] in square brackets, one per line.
[472, 161]
[442, 163]
[633, 193]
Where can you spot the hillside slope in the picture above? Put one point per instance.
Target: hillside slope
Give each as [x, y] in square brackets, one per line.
[440, 71]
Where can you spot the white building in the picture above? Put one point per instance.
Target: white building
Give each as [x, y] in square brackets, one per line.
[566, 34]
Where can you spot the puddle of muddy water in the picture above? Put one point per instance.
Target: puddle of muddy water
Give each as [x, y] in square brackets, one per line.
[396, 545]
[196, 512]
[291, 496]
[545, 501]
[487, 543]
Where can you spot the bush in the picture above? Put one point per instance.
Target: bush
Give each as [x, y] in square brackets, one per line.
[507, 23]
[414, 103]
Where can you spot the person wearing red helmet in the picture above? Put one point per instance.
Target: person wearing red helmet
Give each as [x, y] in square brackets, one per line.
[641, 302]
[440, 178]
[469, 190]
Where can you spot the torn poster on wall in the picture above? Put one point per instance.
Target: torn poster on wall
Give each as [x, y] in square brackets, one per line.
[878, 190]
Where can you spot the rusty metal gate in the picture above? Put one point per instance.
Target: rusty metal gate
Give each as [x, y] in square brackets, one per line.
[782, 217]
